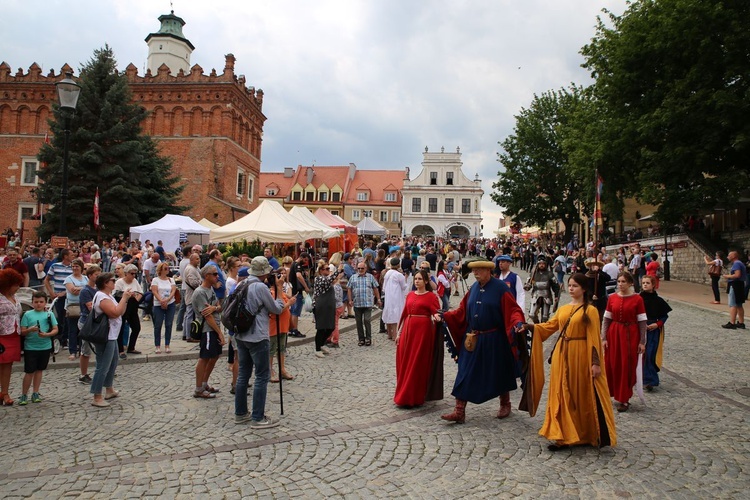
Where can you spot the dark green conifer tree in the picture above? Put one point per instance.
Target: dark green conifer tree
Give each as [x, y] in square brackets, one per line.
[107, 151]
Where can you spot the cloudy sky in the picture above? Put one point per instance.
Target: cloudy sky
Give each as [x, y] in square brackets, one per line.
[370, 82]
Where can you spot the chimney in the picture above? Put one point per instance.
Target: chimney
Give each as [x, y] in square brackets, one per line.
[310, 174]
[288, 172]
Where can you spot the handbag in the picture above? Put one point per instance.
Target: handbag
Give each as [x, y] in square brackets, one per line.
[714, 270]
[73, 310]
[95, 330]
[196, 328]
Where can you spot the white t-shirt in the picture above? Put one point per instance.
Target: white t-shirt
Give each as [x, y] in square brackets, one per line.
[114, 323]
[134, 286]
[164, 287]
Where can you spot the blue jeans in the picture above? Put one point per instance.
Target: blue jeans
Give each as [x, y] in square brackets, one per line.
[72, 326]
[106, 364]
[252, 354]
[162, 316]
[181, 311]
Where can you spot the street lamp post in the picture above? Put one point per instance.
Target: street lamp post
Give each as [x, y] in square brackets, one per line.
[67, 91]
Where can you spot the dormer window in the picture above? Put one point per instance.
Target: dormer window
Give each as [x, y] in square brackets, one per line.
[390, 197]
[362, 196]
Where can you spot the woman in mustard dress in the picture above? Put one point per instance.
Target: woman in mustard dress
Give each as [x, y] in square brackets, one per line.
[579, 411]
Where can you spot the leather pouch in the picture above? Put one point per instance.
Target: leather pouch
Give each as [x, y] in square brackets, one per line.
[470, 342]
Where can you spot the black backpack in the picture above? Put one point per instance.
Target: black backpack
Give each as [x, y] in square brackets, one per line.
[235, 315]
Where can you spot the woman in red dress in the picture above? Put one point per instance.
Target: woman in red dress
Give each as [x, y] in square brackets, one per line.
[623, 339]
[419, 348]
[652, 268]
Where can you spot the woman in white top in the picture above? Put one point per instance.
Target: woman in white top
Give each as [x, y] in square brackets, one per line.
[232, 268]
[163, 287]
[130, 283]
[394, 292]
[106, 354]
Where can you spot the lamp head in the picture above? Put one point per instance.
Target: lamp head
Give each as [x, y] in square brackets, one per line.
[67, 92]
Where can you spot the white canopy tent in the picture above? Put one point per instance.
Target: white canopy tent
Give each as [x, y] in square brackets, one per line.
[269, 222]
[370, 227]
[305, 215]
[168, 230]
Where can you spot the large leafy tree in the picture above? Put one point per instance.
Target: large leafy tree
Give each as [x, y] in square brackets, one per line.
[673, 86]
[538, 183]
[108, 152]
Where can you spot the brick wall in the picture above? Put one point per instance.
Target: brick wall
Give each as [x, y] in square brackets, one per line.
[211, 125]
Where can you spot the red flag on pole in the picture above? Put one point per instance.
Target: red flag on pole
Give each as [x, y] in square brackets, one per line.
[96, 210]
[46, 141]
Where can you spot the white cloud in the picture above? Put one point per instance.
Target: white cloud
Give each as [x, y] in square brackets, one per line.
[358, 81]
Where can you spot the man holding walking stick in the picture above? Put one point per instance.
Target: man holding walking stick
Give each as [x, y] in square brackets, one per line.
[253, 348]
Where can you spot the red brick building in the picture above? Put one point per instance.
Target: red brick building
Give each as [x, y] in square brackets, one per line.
[210, 124]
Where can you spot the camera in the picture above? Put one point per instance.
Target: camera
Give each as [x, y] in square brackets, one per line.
[271, 280]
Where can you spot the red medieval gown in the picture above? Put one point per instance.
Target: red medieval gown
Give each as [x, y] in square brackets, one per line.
[419, 354]
[623, 336]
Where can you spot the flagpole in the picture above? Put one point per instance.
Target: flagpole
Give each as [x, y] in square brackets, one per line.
[596, 206]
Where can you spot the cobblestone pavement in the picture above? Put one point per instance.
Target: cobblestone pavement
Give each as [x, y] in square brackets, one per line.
[342, 437]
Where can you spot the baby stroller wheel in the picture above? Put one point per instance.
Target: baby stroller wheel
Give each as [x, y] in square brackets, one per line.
[56, 346]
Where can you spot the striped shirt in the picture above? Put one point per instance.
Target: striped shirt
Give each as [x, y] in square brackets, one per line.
[57, 273]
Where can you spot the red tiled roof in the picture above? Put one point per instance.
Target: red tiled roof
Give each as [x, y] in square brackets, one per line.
[277, 180]
[377, 181]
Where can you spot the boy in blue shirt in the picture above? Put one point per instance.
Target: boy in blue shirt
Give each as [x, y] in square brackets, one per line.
[37, 327]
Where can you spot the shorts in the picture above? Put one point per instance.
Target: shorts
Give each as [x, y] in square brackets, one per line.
[35, 361]
[210, 346]
[736, 293]
[275, 343]
[296, 308]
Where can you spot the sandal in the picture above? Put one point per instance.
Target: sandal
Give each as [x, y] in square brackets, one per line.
[203, 395]
[168, 350]
[275, 380]
[212, 390]
[368, 342]
[158, 350]
[361, 343]
[7, 401]
[286, 376]
[622, 407]
[99, 403]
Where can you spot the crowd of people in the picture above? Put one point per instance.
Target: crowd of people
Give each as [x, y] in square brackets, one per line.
[613, 316]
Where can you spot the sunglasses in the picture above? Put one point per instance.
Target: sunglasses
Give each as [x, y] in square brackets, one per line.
[213, 274]
[132, 274]
[361, 269]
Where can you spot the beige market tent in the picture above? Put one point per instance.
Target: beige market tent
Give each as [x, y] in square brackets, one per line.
[207, 223]
[304, 214]
[269, 222]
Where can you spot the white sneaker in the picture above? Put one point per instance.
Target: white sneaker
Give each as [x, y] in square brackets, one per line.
[320, 354]
[325, 350]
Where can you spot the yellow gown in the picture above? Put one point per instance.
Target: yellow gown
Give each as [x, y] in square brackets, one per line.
[572, 417]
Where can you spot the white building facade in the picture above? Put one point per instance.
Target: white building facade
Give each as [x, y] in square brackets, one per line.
[441, 200]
